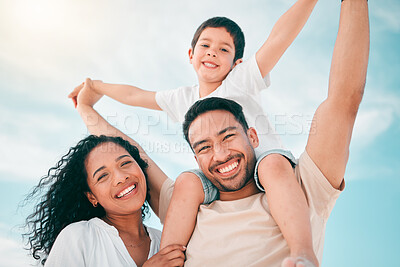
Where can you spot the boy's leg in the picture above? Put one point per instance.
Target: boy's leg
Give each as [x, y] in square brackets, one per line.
[182, 211]
[332, 126]
[288, 204]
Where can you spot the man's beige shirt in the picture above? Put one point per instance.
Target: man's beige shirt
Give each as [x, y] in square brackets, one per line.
[243, 233]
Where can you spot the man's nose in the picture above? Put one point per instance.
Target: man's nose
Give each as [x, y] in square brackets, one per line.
[221, 152]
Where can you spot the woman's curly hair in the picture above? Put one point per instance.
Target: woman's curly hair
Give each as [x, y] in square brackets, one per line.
[61, 195]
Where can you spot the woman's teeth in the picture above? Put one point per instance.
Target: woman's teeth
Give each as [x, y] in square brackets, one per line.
[126, 191]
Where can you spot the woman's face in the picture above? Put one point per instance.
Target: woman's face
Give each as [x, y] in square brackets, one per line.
[115, 179]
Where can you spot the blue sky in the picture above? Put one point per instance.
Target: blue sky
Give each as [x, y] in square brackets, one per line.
[49, 47]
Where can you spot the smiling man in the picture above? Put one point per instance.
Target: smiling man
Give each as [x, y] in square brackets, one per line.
[238, 229]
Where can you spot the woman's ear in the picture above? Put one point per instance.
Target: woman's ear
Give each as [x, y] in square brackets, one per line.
[92, 199]
[253, 137]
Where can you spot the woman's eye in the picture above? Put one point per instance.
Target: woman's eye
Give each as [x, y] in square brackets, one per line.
[102, 176]
[126, 163]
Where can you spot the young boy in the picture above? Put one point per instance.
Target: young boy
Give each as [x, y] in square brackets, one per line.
[216, 55]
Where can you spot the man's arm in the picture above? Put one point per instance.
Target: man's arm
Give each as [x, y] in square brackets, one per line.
[334, 119]
[283, 34]
[97, 125]
[126, 94]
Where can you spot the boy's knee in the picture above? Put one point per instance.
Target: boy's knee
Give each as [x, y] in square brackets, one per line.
[274, 165]
[188, 182]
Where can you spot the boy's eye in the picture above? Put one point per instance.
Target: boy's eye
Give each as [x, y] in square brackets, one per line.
[224, 50]
[205, 45]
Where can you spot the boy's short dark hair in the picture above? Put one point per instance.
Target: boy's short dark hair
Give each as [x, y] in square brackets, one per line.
[210, 104]
[234, 30]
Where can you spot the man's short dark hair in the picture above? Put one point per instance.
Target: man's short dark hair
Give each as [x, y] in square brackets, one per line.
[210, 104]
[222, 22]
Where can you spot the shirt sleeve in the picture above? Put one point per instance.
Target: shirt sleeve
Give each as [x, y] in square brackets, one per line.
[176, 102]
[320, 194]
[247, 77]
[68, 249]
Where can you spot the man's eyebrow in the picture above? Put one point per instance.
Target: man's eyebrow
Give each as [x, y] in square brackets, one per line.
[230, 128]
[198, 143]
[103, 167]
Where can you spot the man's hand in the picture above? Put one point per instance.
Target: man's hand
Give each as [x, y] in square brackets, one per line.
[172, 255]
[87, 84]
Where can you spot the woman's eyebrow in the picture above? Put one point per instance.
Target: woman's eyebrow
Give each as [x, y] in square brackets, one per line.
[120, 157]
[99, 169]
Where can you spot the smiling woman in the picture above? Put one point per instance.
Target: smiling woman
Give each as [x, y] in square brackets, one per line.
[94, 200]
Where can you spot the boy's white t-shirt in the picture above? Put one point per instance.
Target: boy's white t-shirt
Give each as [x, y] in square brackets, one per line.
[95, 243]
[243, 85]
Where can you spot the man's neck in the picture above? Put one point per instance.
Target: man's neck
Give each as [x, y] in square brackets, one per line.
[248, 190]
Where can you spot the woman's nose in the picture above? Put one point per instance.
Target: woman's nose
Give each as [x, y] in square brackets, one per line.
[119, 178]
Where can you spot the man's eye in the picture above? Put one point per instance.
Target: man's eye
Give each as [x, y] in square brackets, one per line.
[203, 149]
[228, 136]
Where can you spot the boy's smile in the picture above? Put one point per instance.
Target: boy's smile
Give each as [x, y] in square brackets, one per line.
[212, 57]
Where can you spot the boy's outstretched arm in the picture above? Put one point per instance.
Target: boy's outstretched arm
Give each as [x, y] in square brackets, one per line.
[283, 34]
[126, 94]
[97, 125]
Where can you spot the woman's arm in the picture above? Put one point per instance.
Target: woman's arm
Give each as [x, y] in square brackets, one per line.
[97, 125]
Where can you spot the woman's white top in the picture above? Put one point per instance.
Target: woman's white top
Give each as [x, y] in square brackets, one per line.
[95, 243]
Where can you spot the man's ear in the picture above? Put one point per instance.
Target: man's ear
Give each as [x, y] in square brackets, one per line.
[253, 137]
[92, 199]
[240, 60]
[190, 55]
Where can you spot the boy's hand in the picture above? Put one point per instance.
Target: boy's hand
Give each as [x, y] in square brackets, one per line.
[85, 96]
[88, 83]
[172, 255]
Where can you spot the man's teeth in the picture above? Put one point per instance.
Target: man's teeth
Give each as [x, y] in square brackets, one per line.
[209, 65]
[126, 191]
[229, 168]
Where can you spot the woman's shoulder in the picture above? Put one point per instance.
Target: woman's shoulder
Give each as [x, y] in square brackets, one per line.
[82, 228]
[154, 234]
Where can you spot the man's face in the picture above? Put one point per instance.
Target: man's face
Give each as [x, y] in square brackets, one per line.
[223, 149]
[212, 57]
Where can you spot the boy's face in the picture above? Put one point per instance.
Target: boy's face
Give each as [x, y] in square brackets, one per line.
[213, 55]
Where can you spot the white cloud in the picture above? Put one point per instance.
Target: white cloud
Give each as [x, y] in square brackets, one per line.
[387, 15]
[12, 253]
